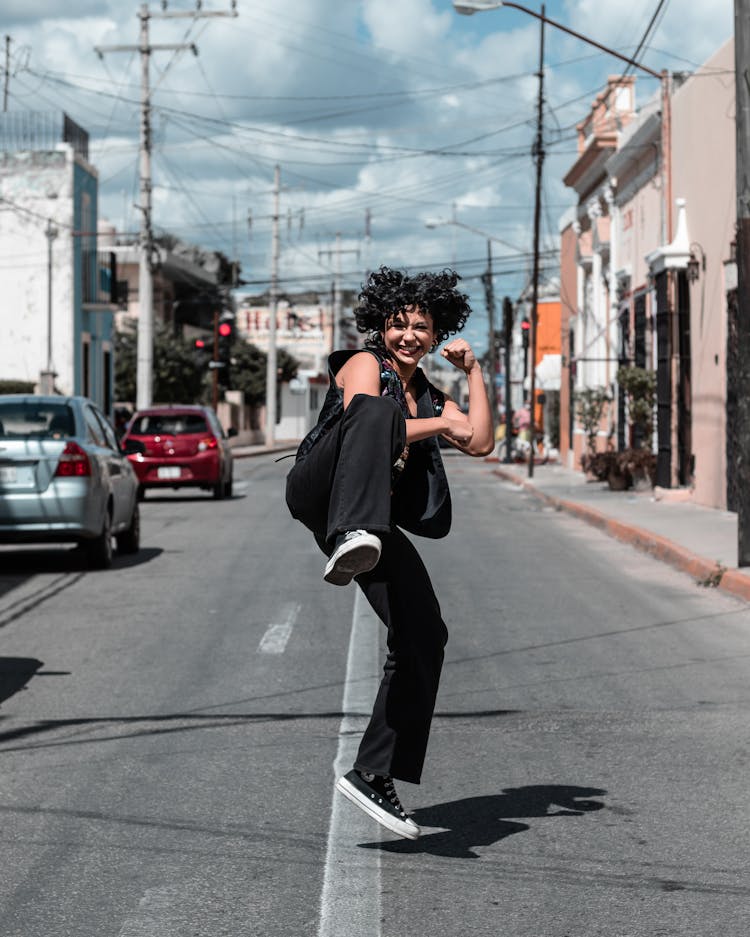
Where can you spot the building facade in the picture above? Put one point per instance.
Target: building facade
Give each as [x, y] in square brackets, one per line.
[57, 288]
[644, 276]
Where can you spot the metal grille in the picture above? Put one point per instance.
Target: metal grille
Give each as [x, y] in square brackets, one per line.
[22, 131]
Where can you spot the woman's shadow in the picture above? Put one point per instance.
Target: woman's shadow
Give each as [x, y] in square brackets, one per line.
[481, 821]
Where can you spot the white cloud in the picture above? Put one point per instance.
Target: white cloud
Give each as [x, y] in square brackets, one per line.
[359, 101]
[406, 28]
[687, 32]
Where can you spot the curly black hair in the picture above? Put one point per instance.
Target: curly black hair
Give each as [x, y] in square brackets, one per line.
[388, 292]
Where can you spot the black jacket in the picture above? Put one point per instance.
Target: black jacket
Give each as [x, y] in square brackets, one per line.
[421, 501]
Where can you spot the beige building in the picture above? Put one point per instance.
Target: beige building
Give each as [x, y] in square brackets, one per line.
[633, 292]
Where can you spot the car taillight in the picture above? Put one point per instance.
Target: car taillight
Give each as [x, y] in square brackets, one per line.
[210, 442]
[73, 461]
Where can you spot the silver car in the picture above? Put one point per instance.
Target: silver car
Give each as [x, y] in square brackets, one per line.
[63, 477]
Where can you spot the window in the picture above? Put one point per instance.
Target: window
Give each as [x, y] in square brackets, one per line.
[122, 293]
[107, 378]
[94, 430]
[109, 433]
[169, 424]
[86, 367]
[28, 420]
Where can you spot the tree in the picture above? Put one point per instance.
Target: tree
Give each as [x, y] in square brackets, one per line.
[590, 403]
[181, 376]
[249, 370]
[178, 376]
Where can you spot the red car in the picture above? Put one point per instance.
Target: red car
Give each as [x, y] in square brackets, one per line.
[185, 447]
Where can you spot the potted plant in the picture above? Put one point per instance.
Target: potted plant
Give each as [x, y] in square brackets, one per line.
[590, 403]
[639, 466]
[638, 461]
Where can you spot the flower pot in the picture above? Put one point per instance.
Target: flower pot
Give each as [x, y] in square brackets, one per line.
[618, 481]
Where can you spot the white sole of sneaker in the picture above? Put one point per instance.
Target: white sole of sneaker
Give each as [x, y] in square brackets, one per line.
[407, 829]
[362, 556]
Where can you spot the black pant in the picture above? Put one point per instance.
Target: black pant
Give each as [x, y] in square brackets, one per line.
[344, 483]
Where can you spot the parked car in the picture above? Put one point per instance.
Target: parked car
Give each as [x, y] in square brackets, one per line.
[63, 477]
[185, 447]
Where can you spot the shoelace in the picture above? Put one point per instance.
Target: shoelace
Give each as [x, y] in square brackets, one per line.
[390, 793]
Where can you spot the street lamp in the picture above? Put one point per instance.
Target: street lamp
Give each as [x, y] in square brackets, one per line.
[47, 377]
[467, 8]
[439, 223]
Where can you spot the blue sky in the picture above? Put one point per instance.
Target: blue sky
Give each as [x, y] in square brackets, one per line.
[403, 111]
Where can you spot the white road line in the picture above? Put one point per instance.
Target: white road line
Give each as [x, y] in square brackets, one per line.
[157, 912]
[276, 635]
[350, 900]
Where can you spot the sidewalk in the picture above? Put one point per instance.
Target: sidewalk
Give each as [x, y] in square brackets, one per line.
[698, 540]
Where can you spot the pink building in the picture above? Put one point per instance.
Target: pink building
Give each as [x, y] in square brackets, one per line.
[645, 296]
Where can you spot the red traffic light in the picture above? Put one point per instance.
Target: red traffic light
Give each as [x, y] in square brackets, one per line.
[199, 343]
[525, 325]
[225, 329]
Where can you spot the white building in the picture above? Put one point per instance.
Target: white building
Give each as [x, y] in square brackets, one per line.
[56, 288]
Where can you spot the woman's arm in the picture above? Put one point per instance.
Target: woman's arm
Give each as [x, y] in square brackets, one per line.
[481, 442]
[360, 375]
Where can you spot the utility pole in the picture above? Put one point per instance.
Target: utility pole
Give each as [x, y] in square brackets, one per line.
[489, 295]
[508, 332]
[7, 73]
[214, 359]
[271, 365]
[145, 346]
[337, 295]
[742, 455]
[533, 319]
[337, 252]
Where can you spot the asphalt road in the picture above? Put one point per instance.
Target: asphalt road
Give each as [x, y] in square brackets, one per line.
[169, 730]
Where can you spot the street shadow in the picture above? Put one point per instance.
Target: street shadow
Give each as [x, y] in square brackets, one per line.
[485, 820]
[15, 673]
[19, 566]
[144, 555]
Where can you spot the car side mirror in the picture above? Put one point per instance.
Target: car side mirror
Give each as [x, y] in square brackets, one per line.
[133, 447]
[231, 432]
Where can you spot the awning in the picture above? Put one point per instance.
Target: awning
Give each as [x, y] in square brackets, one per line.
[548, 373]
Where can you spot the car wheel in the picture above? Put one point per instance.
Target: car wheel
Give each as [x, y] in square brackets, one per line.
[99, 550]
[129, 541]
[141, 493]
[218, 490]
[228, 487]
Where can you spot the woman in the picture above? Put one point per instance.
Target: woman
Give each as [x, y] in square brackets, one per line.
[372, 465]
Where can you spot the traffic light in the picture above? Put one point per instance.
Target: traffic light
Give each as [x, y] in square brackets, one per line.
[202, 350]
[525, 327]
[226, 340]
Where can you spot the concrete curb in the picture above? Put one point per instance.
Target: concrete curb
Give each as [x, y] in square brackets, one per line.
[705, 572]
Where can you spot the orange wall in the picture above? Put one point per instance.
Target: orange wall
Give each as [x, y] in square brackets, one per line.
[548, 328]
[547, 341]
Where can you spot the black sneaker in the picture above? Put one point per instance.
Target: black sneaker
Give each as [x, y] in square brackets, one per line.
[355, 552]
[378, 798]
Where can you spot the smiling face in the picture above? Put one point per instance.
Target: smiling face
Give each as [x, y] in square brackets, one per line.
[409, 335]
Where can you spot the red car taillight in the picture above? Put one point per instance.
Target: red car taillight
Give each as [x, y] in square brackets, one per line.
[210, 442]
[73, 461]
